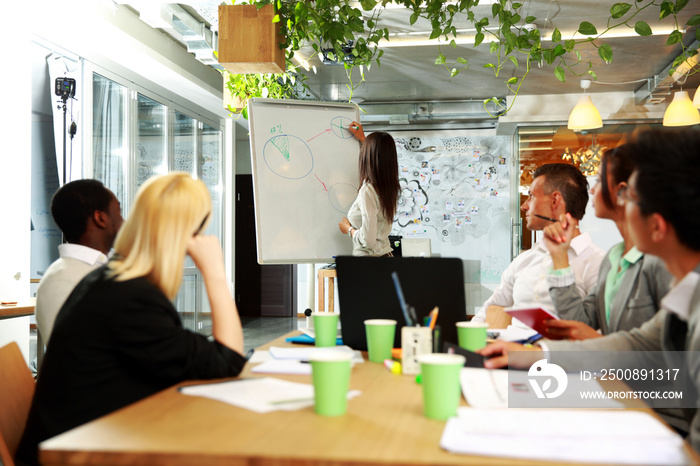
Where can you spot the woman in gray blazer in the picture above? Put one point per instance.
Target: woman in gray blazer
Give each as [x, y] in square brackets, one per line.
[630, 284]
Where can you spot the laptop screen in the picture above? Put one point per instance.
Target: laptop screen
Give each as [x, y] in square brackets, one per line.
[366, 290]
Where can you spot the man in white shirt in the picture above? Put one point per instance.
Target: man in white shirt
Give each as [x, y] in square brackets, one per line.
[556, 189]
[89, 215]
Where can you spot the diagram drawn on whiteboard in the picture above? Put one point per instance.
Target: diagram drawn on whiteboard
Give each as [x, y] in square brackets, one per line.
[339, 127]
[291, 157]
[288, 156]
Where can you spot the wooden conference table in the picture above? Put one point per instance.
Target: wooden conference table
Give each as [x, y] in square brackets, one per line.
[384, 425]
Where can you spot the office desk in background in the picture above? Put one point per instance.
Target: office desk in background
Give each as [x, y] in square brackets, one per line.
[384, 425]
[24, 307]
[15, 331]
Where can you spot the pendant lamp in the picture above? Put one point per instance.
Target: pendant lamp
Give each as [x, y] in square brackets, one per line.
[696, 99]
[585, 115]
[681, 111]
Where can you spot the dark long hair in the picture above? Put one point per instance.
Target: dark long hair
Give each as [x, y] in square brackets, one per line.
[379, 167]
[617, 162]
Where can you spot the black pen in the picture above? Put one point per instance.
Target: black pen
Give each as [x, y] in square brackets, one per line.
[546, 218]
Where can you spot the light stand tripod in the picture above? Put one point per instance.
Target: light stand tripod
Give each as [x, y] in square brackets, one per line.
[65, 88]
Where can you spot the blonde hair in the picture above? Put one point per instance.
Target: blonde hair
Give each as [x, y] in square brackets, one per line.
[152, 242]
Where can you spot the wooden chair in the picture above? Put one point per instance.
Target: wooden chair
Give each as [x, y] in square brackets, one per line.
[17, 388]
[331, 275]
[496, 317]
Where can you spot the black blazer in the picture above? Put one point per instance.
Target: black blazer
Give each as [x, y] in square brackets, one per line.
[114, 343]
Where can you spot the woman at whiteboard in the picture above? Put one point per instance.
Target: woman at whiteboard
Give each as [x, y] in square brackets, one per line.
[370, 217]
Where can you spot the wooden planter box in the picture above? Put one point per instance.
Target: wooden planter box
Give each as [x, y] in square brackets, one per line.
[249, 40]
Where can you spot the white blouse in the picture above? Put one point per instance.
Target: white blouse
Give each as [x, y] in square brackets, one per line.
[372, 235]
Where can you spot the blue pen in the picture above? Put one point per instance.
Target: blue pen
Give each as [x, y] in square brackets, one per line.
[408, 312]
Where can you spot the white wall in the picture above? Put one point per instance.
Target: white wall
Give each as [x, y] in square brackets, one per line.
[15, 166]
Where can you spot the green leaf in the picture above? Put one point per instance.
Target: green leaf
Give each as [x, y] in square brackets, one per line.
[605, 52]
[642, 28]
[517, 6]
[454, 72]
[489, 65]
[414, 17]
[559, 73]
[276, 19]
[370, 24]
[619, 10]
[674, 37]
[514, 60]
[440, 60]
[495, 8]
[666, 9]
[556, 35]
[493, 46]
[462, 61]
[680, 4]
[587, 29]
[593, 75]
[530, 19]
[578, 56]
[694, 21]
[512, 80]
[436, 33]
[478, 38]
[549, 56]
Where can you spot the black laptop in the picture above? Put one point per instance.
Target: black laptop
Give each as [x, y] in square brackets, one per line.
[366, 290]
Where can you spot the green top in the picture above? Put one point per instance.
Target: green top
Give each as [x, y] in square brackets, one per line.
[619, 265]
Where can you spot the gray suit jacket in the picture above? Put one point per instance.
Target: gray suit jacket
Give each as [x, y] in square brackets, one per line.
[637, 300]
[657, 335]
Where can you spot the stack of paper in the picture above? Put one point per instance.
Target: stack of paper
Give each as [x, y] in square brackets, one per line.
[627, 437]
[260, 395]
[294, 360]
[499, 388]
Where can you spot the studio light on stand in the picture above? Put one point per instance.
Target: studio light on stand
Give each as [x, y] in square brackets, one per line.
[65, 89]
[681, 111]
[585, 115]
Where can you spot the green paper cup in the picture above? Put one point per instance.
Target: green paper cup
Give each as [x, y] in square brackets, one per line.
[471, 336]
[330, 373]
[440, 382]
[380, 338]
[325, 328]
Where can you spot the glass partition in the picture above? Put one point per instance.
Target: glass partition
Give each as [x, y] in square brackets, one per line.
[110, 144]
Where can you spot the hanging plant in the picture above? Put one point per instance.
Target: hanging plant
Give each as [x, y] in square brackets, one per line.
[338, 30]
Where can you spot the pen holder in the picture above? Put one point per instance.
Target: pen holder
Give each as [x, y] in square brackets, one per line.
[415, 341]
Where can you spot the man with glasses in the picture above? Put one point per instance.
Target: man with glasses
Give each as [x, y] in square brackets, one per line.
[556, 189]
[662, 202]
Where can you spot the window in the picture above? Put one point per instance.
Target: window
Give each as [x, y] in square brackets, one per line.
[161, 139]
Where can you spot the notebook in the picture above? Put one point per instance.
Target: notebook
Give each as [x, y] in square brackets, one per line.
[366, 291]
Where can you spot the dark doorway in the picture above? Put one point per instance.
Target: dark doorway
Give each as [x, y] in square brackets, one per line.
[261, 290]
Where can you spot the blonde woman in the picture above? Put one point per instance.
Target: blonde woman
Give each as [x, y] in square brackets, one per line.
[118, 337]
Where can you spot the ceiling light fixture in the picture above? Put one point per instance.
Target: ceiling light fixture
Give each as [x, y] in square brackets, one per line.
[585, 115]
[681, 111]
